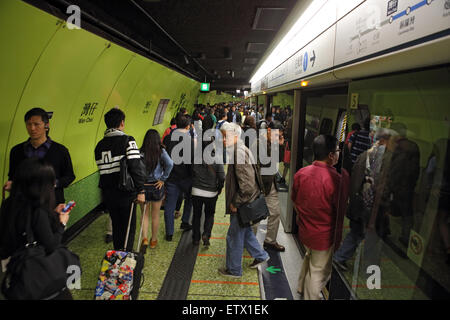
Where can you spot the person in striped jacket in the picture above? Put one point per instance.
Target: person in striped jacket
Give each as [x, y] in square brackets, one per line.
[109, 151]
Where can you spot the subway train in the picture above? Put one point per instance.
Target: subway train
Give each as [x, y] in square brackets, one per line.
[339, 69]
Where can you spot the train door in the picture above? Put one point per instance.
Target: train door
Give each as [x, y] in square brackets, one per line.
[404, 252]
[315, 112]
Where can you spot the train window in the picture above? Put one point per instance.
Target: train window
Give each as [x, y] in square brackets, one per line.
[160, 111]
[395, 237]
[326, 127]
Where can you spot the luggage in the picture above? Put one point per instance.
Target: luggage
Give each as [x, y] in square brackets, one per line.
[121, 271]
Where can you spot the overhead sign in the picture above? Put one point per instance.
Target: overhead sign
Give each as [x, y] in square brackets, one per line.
[341, 33]
[375, 26]
[204, 86]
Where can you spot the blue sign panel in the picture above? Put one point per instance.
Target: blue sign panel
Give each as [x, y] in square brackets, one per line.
[305, 61]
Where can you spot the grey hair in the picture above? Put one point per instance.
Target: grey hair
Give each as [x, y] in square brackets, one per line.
[231, 128]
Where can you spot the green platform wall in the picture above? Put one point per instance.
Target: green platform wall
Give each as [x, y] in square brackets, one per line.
[79, 76]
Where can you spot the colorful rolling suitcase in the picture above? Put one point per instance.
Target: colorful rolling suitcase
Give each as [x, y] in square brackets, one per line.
[121, 271]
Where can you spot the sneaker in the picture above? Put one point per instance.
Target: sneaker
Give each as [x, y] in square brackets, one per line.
[274, 246]
[342, 265]
[257, 262]
[225, 272]
[185, 226]
[169, 237]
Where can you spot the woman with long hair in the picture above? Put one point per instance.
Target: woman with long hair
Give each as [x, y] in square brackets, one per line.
[159, 165]
[32, 204]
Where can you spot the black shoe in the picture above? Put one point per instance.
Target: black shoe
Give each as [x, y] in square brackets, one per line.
[206, 241]
[227, 273]
[274, 246]
[342, 265]
[185, 226]
[195, 242]
[169, 237]
[257, 262]
[108, 238]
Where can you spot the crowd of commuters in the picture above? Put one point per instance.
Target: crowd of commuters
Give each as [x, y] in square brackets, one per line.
[377, 180]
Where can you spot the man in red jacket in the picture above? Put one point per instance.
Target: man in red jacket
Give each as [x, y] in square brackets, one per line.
[320, 196]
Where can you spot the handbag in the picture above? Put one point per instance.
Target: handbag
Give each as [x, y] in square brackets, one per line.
[126, 182]
[253, 212]
[287, 154]
[33, 275]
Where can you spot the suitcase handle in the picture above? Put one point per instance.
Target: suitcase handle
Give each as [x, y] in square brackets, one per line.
[129, 225]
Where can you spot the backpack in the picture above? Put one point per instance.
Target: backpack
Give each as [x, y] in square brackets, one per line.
[167, 139]
[208, 123]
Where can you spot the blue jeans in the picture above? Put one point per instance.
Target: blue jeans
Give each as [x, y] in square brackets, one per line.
[173, 190]
[237, 239]
[351, 242]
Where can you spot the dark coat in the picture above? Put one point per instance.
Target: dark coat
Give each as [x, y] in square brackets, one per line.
[59, 158]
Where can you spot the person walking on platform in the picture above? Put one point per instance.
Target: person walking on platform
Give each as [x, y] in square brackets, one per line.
[180, 178]
[158, 165]
[40, 145]
[207, 184]
[108, 154]
[234, 116]
[271, 191]
[364, 182]
[319, 194]
[241, 186]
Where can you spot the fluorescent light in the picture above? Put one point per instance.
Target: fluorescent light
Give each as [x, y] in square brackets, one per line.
[289, 44]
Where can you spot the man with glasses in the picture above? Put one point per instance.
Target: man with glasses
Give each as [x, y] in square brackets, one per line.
[320, 195]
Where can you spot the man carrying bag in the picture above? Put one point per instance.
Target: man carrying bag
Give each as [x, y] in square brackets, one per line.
[241, 191]
[120, 188]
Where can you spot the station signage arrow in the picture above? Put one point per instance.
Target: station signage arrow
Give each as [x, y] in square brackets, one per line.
[313, 58]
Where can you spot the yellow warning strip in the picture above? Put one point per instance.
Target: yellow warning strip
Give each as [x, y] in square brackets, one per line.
[344, 124]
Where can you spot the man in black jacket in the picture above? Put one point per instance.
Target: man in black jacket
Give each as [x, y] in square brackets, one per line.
[108, 153]
[180, 178]
[39, 145]
[234, 116]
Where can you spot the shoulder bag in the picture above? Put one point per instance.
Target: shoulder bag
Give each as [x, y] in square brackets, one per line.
[126, 182]
[33, 275]
[253, 212]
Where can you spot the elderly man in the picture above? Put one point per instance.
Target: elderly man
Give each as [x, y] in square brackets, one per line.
[241, 186]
